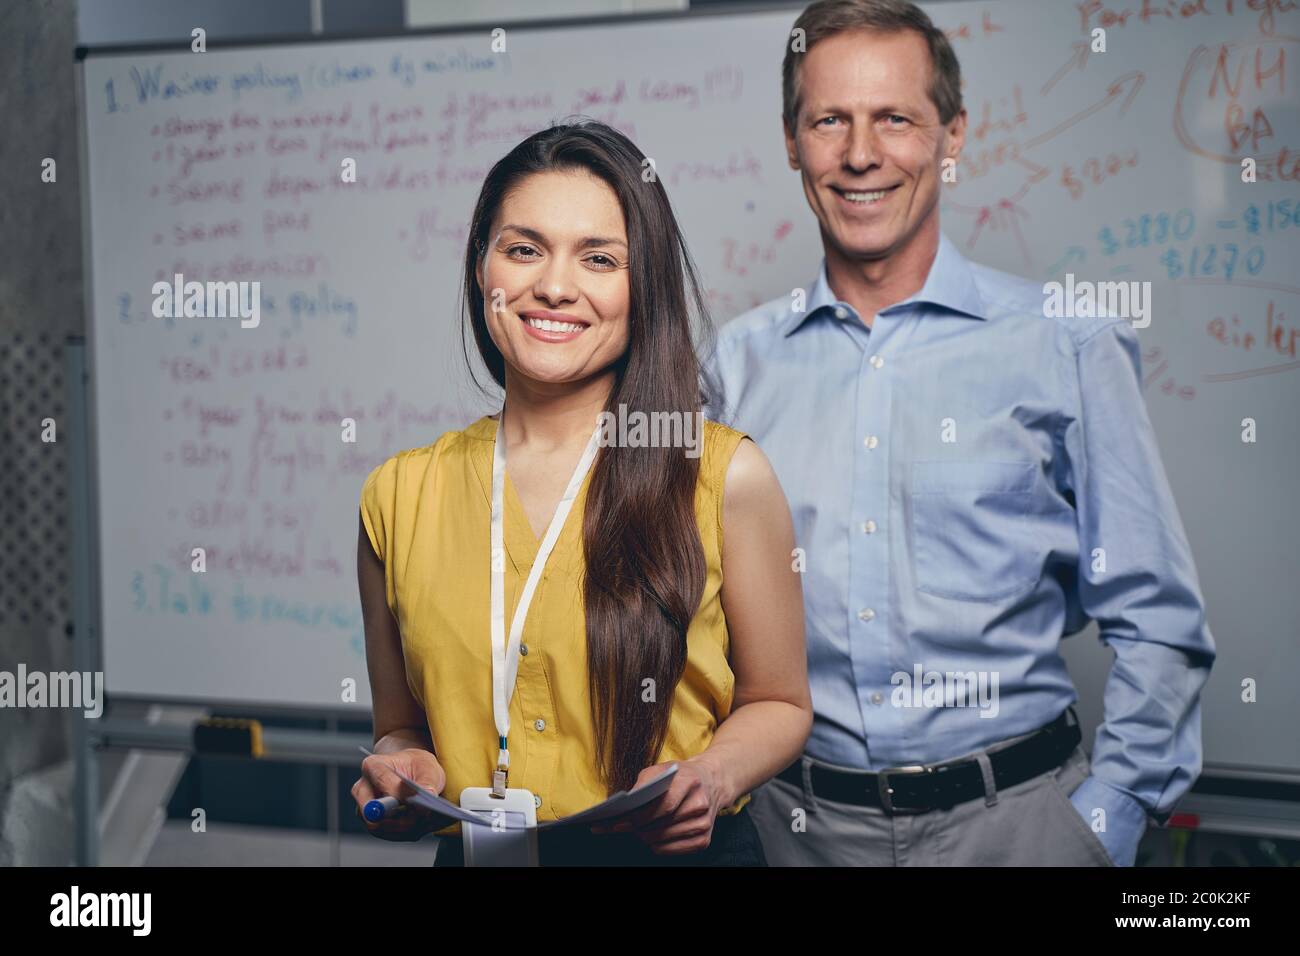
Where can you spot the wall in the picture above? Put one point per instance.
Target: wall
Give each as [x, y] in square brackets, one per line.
[40, 304]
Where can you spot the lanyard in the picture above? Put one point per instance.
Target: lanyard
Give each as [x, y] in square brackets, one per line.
[505, 657]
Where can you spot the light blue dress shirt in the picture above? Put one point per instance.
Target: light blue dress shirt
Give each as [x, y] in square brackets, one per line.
[970, 481]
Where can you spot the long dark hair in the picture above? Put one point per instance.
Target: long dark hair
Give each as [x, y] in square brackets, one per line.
[645, 567]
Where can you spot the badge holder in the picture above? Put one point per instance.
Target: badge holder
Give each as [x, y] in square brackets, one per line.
[510, 836]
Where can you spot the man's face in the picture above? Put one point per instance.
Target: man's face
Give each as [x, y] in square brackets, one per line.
[866, 124]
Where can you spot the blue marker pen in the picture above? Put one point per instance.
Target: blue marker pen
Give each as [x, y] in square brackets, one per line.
[375, 810]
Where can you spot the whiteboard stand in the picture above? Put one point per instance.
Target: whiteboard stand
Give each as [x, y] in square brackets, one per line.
[85, 636]
[156, 733]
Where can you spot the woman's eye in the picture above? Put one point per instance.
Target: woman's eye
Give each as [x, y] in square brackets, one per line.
[517, 250]
[605, 261]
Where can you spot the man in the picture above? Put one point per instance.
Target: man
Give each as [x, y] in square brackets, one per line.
[970, 480]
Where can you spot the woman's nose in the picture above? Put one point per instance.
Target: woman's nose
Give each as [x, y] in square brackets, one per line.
[556, 282]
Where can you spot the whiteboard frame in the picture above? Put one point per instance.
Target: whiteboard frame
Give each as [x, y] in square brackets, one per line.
[717, 10]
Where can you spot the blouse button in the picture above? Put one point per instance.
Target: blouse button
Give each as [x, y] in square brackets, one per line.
[539, 724]
[523, 650]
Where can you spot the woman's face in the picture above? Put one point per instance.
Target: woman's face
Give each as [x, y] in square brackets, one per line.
[555, 277]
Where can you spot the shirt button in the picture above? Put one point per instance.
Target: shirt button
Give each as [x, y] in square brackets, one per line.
[537, 801]
[841, 312]
[871, 441]
[868, 527]
[523, 649]
[876, 699]
[539, 724]
[866, 614]
[876, 361]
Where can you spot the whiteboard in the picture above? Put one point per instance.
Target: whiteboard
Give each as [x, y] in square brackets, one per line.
[226, 165]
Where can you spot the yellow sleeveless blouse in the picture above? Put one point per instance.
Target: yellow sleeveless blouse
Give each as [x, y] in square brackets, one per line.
[427, 512]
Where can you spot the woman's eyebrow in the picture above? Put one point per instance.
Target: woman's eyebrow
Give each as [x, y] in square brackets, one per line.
[586, 243]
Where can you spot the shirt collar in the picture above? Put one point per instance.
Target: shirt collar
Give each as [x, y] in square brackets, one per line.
[949, 285]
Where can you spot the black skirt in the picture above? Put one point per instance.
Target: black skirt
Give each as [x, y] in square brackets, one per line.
[734, 842]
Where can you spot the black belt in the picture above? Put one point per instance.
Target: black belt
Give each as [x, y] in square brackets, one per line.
[922, 788]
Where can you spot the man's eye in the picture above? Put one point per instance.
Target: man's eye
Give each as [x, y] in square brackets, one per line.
[895, 116]
[826, 119]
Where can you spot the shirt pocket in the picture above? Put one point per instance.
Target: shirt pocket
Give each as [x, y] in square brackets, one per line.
[969, 535]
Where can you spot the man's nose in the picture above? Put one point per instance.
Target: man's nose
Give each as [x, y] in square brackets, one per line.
[862, 150]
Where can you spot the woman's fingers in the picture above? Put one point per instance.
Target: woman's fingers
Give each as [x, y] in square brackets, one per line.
[362, 791]
[688, 817]
[684, 799]
[672, 804]
[694, 803]
[635, 819]
[408, 826]
[423, 767]
[678, 830]
[692, 817]
[380, 778]
[688, 837]
[383, 779]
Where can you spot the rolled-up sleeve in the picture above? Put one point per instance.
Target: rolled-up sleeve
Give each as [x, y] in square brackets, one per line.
[1137, 580]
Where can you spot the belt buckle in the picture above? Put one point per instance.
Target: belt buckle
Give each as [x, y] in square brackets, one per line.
[882, 785]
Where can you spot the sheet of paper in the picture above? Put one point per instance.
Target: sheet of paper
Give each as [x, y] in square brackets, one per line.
[619, 803]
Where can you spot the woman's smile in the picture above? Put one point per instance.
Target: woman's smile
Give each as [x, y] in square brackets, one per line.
[552, 326]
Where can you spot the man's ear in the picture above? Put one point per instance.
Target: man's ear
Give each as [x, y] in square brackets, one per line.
[956, 134]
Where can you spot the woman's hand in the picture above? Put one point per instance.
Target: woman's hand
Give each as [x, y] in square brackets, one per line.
[410, 822]
[681, 820]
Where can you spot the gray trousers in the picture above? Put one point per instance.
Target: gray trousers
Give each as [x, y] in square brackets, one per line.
[1030, 824]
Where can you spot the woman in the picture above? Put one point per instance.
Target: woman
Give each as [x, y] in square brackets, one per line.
[651, 637]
